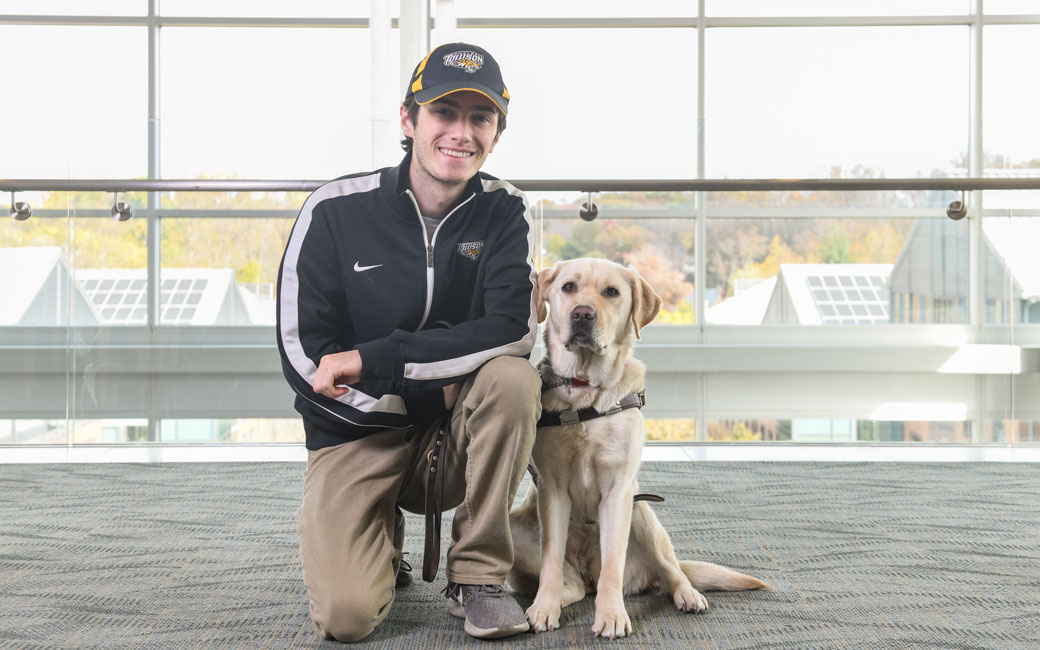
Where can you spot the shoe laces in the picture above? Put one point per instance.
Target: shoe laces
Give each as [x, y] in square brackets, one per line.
[454, 590]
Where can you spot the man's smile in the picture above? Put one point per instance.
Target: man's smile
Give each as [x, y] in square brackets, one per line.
[455, 153]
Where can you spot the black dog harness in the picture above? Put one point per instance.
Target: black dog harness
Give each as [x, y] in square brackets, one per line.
[574, 416]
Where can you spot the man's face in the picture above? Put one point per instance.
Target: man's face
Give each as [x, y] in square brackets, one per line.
[452, 137]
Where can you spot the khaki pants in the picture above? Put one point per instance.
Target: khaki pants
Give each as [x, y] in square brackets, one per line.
[351, 528]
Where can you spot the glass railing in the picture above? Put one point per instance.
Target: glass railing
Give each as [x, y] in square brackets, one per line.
[813, 312]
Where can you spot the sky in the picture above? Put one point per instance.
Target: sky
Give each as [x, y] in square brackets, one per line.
[587, 103]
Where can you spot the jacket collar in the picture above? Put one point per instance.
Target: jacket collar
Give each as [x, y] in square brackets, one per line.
[395, 186]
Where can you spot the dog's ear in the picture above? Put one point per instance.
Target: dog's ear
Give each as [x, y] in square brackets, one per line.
[645, 302]
[545, 280]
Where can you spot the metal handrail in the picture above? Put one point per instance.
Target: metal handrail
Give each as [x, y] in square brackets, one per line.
[545, 185]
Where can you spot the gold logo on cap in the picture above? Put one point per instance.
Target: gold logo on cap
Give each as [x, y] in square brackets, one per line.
[465, 59]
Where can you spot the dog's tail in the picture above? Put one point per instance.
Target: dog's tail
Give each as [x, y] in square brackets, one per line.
[705, 576]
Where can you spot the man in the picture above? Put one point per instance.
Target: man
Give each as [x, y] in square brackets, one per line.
[406, 294]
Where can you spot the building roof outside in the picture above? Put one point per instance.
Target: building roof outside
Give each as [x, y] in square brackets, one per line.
[811, 294]
[189, 296]
[24, 271]
[36, 289]
[837, 294]
[746, 308]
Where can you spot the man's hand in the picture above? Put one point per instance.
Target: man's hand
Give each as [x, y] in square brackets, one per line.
[335, 370]
[451, 395]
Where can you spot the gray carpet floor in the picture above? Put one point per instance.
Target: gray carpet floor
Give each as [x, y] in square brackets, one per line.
[206, 556]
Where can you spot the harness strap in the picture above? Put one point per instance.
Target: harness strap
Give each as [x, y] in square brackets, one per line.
[642, 496]
[574, 416]
[573, 382]
[646, 496]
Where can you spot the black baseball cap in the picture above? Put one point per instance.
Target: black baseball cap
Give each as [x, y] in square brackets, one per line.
[458, 66]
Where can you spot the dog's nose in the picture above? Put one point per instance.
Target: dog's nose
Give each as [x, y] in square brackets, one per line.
[583, 315]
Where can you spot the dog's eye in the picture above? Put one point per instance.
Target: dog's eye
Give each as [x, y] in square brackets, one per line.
[611, 292]
[568, 287]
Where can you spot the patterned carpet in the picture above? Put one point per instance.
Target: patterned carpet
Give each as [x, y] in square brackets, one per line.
[205, 556]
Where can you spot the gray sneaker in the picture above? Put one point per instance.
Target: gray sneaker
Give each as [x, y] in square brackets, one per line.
[490, 612]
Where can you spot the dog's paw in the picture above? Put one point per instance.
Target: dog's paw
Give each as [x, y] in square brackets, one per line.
[689, 599]
[543, 617]
[612, 622]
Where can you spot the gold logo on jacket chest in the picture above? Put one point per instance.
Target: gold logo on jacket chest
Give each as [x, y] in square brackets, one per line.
[472, 249]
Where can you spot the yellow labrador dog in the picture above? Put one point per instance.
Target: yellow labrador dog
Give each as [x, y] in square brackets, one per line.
[593, 537]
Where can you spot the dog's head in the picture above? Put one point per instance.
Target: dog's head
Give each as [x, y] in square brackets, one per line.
[593, 303]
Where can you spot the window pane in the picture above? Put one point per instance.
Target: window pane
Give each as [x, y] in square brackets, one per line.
[36, 296]
[652, 232]
[836, 7]
[1011, 132]
[837, 271]
[843, 407]
[77, 102]
[110, 431]
[838, 430]
[75, 7]
[749, 431]
[111, 262]
[1012, 6]
[33, 432]
[1017, 431]
[583, 107]
[231, 430]
[34, 260]
[220, 271]
[822, 102]
[73, 268]
[265, 103]
[267, 8]
[108, 273]
[574, 8]
[1012, 280]
[671, 430]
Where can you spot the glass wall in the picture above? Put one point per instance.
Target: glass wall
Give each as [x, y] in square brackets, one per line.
[264, 102]
[77, 104]
[820, 317]
[596, 103]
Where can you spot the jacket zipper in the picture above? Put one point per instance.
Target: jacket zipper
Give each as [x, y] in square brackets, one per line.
[429, 251]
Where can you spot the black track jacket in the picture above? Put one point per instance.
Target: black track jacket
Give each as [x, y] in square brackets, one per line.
[361, 272]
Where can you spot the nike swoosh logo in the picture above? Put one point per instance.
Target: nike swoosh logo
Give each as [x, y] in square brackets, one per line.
[359, 269]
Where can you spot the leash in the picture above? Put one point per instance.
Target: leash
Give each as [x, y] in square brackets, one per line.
[435, 488]
[434, 501]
